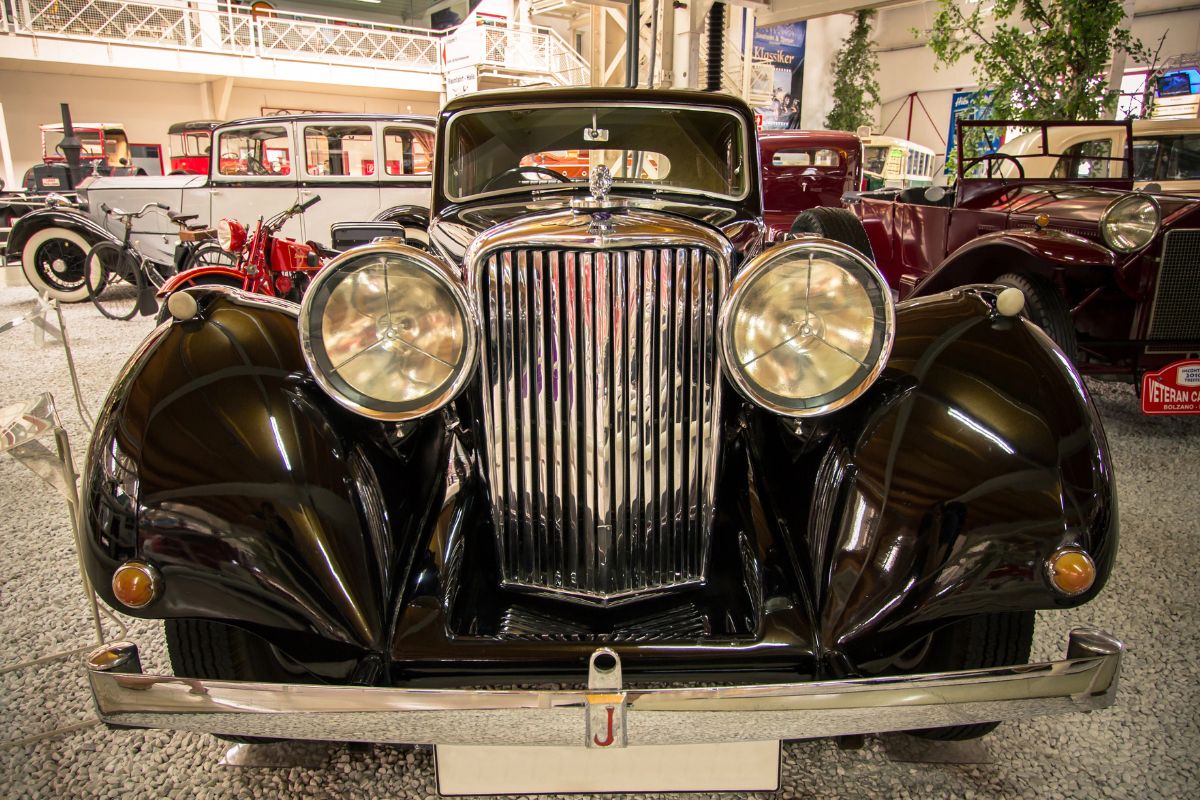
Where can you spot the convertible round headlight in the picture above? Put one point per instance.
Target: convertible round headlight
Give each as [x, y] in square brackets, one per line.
[1131, 222]
[387, 331]
[806, 328]
[231, 235]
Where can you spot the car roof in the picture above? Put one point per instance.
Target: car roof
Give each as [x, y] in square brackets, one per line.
[593, 94]
[195, 125]
[779, 138]
[416, 119]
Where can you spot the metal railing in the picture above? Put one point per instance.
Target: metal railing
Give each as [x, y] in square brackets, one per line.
[733, 64]
[204, 26]
[533, 49]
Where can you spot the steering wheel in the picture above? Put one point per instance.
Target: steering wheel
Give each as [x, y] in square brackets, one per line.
[991, 159]
[557, 176]
[258, 167]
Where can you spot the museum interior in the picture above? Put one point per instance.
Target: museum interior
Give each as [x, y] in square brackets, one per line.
[629, 398]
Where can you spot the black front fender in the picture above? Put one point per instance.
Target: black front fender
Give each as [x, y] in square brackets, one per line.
[220, 462]
[977, 456]
[29, 224]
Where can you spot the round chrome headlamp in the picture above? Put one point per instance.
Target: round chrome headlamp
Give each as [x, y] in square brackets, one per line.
[806, 328]
[1131, 222]
[387, 331]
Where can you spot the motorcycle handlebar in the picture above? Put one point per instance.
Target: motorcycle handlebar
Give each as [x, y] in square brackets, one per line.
[309, 203]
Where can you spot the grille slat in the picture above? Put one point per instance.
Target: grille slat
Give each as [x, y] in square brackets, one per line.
[599, 398]
[1176, 313]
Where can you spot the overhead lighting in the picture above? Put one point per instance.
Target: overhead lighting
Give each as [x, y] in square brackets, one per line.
[373, 2]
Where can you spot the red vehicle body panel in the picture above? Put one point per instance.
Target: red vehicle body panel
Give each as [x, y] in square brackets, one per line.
[923, 248]
[789, 189]
[192, 165]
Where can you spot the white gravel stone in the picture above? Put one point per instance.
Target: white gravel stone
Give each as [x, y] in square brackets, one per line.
[1146, 747]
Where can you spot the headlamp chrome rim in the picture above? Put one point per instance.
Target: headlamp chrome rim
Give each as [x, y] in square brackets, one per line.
[758, 267]
[1127, 198]
[310, 318]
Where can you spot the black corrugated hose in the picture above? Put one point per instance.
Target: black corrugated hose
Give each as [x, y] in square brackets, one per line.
[716, 46]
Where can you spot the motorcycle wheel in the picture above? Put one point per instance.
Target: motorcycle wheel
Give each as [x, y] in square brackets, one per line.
[114, 281]
[209, 254]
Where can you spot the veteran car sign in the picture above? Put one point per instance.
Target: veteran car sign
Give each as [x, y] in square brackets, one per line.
[1174, 389]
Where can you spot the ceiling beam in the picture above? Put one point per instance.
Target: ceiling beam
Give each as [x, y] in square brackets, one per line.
[783, 11]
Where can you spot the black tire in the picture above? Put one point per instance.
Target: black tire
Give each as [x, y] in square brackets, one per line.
[213, 651]
[985, 640]
[1046, 308]
[209, 254]
[114, 281]
[837, 224]
[200, 280]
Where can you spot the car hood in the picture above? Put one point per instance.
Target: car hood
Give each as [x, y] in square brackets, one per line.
[163, 182]
[1082, 204]
[455, 227]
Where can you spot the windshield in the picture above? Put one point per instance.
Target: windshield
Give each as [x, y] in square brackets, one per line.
[654, 147]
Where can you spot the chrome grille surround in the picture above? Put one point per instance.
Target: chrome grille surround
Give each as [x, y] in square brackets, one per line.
[1176, 310]
[601, 483]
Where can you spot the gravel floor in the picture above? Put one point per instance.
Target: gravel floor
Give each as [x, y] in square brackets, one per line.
[1145, 747]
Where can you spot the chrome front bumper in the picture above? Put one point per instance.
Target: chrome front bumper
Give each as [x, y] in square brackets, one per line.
[606, 714]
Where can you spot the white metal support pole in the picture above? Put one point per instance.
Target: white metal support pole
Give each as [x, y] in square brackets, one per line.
[748, 22]
[10, 178]
[1117, 71]
[666, 43]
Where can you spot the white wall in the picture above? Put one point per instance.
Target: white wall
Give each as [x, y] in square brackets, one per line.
[824, 38]
[147, 107]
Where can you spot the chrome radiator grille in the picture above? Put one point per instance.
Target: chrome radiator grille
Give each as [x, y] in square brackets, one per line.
[601, 405]
[1177, 298]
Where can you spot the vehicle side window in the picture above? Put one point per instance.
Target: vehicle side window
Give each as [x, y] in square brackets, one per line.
[262, 151]
[824, 157]
[344, 151]
[1085, 160]
[407, 151]
[1183, 159]
[1145, 159]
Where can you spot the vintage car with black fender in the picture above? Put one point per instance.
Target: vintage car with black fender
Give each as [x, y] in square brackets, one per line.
[598, 435]
[1108, 272]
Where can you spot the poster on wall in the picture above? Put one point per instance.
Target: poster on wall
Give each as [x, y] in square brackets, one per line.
[974, 104]
[783, 46]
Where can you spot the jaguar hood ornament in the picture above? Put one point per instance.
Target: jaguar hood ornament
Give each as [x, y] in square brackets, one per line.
[600, 182]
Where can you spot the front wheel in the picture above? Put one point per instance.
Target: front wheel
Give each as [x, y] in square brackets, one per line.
[213, 651]
[114, 281]
[1046, 308]
[53, 261]
[986, 640]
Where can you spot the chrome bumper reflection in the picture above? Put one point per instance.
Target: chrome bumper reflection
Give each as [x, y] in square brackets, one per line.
[1085, 680]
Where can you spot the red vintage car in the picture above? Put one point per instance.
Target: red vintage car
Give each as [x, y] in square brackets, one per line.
[1109, 273]
[803, 170]
[191, 146]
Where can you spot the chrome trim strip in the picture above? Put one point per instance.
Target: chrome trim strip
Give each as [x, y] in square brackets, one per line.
[1086, 680]
[615, 395]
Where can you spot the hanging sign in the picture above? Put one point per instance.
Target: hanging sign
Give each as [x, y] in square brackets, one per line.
[783, 46]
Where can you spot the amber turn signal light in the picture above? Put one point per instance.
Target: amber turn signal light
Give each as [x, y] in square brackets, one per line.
[1072, 571]
[136, 583]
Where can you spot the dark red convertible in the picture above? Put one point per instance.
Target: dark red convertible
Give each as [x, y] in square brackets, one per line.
[803, 170]
[1109, 273]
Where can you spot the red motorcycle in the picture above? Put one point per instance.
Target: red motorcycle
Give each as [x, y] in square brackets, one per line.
[266, 262]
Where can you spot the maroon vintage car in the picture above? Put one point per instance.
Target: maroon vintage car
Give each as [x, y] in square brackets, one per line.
[803, 170]
[1109, 273]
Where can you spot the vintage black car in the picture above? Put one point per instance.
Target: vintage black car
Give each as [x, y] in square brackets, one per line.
[598, 435]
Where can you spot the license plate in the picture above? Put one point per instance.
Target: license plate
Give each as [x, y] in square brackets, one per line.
[464, 770]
